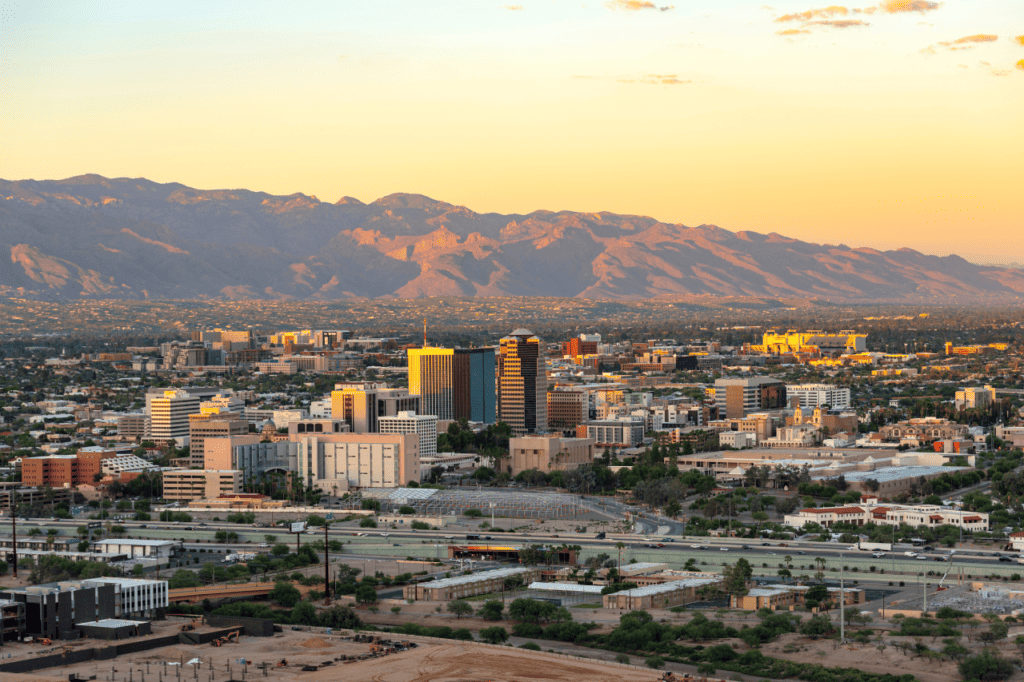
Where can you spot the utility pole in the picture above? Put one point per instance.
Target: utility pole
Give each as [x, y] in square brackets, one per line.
[327, 562]
[924, 593]
[14, 530]
[842, 603]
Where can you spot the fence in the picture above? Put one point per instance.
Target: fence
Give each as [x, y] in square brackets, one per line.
[86, 655]
[254, 627]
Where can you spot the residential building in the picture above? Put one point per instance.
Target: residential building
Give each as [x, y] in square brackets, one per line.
[211, 423]
[423, 425]
[619, 433]
[549, 453]
[338, 462]
[197, 484]
[745, 396]
[810, 396]
[360, 405]
[169, 415]
[454, 383]
[522, 383]
[658, 595]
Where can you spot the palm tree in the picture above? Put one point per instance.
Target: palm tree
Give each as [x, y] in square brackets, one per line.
[619, 545]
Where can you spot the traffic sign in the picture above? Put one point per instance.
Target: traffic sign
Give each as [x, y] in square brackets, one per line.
[330, 516]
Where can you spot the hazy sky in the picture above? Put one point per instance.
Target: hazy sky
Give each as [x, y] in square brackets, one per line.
[881, 125]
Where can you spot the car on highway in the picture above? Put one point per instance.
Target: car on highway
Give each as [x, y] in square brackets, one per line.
[766, 544]
[1005, 559]
[384, 535]
[696, 547]
[940, 558]
[922, 557]
[744, 546]
[264, 545]
[723, 549]
[910, 554]
[801, 552]
[878, 555]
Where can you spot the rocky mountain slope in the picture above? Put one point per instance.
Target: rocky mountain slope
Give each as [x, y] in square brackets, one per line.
[95, 237]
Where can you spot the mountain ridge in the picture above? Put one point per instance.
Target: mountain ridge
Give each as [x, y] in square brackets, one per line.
[95, 237]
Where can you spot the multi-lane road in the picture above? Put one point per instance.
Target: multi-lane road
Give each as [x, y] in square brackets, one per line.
[709, 554]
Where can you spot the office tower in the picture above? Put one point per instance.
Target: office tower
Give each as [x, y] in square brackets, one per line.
[423, 425]
[360, 405]
[522, 383]
[744, 396]
[169, 415]
[454, 383]
[211, 424]
[810, 396]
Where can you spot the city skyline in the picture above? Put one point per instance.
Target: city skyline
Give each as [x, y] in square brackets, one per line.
[880, 125]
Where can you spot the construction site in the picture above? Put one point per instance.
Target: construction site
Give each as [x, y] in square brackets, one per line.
[203, 652]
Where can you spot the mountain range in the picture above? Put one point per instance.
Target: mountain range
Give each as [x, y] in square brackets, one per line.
[96, 237]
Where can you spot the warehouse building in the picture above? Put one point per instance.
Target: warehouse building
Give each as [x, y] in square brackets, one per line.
[460, 587]
[114, 628]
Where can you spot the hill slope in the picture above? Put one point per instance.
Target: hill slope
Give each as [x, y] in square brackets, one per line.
[95, 237]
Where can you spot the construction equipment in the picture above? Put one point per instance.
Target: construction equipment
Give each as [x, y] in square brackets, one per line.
[234, 634]
[45, 641]
[282, 663]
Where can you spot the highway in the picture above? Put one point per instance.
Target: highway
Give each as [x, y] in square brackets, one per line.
[708, 553]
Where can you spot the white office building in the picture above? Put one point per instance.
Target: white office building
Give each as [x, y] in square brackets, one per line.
[816, 395]
[133, 597]
[423, 425]
[169, 415]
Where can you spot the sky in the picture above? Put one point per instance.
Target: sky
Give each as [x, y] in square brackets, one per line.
[883, 125]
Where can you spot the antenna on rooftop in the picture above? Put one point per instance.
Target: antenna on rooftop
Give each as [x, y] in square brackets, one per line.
[424, 332]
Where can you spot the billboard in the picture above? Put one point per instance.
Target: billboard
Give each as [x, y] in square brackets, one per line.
[298, 526]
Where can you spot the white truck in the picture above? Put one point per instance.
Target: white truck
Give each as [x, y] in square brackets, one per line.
[874, 546]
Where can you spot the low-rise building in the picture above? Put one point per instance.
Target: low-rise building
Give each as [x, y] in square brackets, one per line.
[618, 433]
[871, 511]
[196, 484]
[659, 595]
[460, 587]
[549, 453]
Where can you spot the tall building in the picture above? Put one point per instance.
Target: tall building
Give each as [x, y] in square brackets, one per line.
[584, 344]
[59, 471]
[454, 383]
[745, 396]
[361, 406]
[169, 415]
[211, 424]
[811, 396]
[567, 408]
[423, 425]
[522, 383]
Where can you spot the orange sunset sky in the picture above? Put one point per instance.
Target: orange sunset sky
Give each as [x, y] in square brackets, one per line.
[885, 125]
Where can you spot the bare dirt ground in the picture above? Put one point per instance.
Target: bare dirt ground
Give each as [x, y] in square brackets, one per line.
[469, 663]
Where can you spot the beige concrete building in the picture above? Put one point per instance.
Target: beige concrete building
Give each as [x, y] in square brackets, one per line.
[211, 423]
[197, 484]
[870, 511]
[338, 462]
[549, 453]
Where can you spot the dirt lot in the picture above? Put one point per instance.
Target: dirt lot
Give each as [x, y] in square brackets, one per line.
[215, 664]
[469, 663]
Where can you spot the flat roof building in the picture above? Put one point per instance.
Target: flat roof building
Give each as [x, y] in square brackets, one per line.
[196, 484]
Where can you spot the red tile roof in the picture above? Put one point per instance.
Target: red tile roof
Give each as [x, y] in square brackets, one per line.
[972, 518]
[935, 517]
